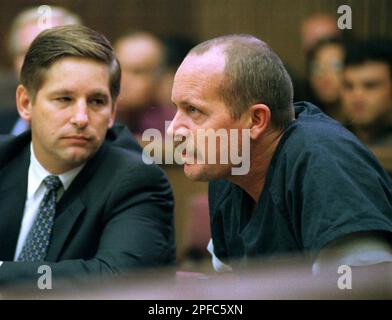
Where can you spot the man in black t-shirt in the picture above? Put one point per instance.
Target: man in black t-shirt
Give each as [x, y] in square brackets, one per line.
[305, 184]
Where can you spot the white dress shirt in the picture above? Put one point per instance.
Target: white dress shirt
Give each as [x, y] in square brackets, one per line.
[35, 194]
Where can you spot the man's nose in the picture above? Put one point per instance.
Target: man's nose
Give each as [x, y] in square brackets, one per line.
[80, 114]
[173, 125]
[358, 94]
[178, 128]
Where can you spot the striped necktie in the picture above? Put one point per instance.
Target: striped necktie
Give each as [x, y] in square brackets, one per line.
[37, 242]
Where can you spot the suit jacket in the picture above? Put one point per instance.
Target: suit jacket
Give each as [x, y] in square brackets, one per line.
[8, 118]
[116, 215]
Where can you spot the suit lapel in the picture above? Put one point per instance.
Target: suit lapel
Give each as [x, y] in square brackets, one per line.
[62, 228]
[72, 206]
[13, 190]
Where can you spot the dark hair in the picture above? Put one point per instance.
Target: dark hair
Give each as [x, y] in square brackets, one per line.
[372, 50]
[253, 74]
[67, 41]
[176, 49]
[311, 54]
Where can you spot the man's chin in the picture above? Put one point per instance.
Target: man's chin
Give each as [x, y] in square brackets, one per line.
[194, 172]
[201, 172]
[78, 157]
[362, 123]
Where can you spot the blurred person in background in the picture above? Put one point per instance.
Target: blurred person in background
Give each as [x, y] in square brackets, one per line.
[367, 91]
[25, 27]
[142, 59]
[316, 27]
[367, 95]
[324, 64]
[312, 29]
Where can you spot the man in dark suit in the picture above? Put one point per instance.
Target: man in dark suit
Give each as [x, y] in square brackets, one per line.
[8, 118]
[75, 194]
[24, 28]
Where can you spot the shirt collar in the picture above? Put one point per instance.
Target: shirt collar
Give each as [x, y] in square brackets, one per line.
[37, 173]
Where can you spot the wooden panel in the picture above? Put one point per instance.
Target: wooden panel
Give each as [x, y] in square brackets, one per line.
[112, 17]
[276, 21]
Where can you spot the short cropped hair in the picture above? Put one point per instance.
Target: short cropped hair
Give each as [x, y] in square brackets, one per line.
[253, 74]
[54, 44]
[371, 50]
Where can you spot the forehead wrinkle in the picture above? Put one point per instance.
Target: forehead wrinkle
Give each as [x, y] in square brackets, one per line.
[69, 91]
[198, 85]
[199, 77]
[66, 82]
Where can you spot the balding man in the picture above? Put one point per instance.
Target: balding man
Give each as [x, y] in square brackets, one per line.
[317, 27]
[311, 187]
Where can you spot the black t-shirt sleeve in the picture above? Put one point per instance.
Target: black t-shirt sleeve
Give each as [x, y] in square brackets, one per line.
[337, 190]
[217, 190]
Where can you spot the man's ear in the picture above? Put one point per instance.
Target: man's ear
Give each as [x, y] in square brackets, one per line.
[23, 103]
[113, 114]
[260, 117]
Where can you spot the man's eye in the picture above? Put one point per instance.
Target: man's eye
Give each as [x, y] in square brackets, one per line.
[98, 102]
[193, 110]
[347, 86]
[371, 85]
[63, 99]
